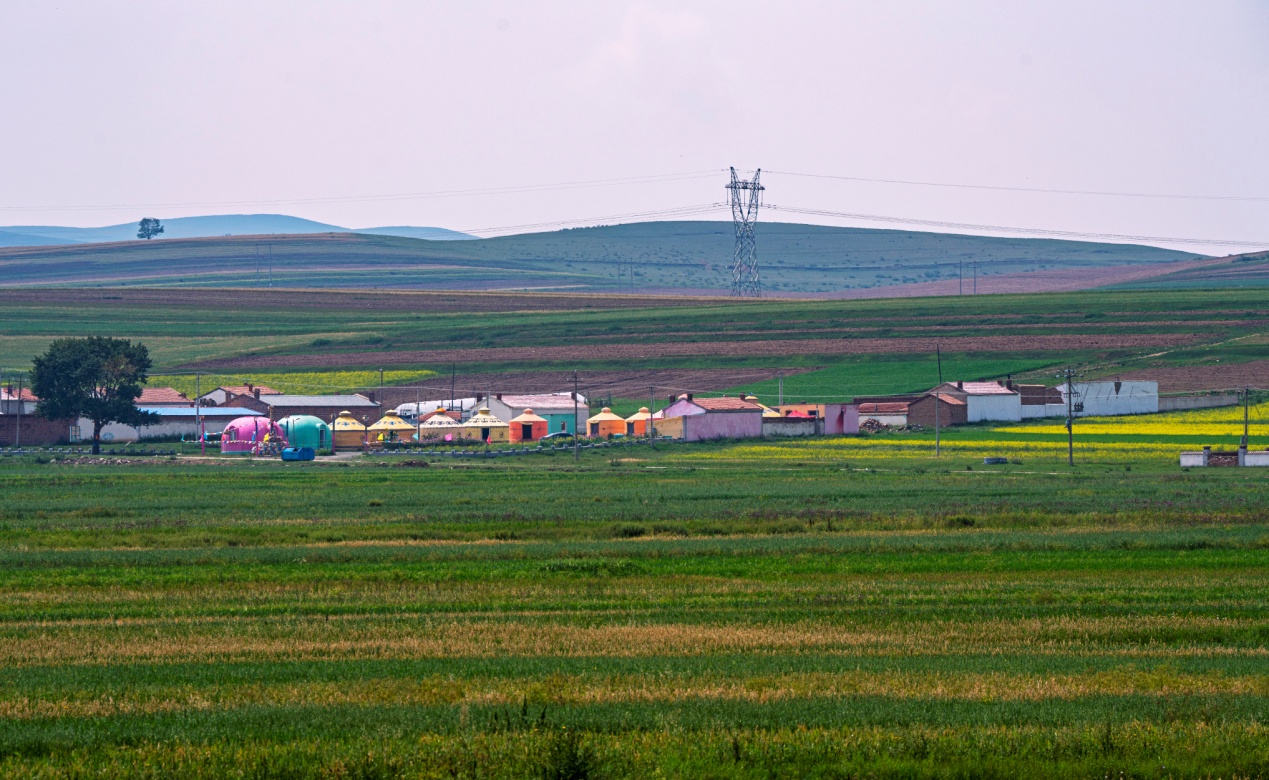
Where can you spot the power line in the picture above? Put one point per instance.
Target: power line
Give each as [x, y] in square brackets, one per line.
[1021, 230]
[1044, 190]
[679, 211]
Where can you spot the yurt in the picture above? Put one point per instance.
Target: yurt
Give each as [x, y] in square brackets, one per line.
[349, 433]
[637, 423]
[249, 434]
[528, 426]
[605, 424]
[767, 411]
[305, 430]
[439, 425]
[483, 426]
[390, 428]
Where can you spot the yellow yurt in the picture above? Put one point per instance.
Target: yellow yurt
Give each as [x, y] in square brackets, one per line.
[390, 428]
[348, 432]
[605, 424]
[767, 411]
[637, 423]
[483, 426]
[440, 425]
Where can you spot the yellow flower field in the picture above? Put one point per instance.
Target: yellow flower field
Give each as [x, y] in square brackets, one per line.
[1225, 421]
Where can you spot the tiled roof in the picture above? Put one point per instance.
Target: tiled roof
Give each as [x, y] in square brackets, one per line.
[883, 408]
[245, 390]
[726, 405]
[339, 401]
[158, 396]
[985, 388]
[539, 402]
[947, 399]
[12, 395]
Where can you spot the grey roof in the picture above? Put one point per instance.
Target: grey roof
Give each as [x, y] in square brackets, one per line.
[207, 411]
[333, 401]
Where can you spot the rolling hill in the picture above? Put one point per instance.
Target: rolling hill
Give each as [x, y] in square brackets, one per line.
[206, 227]
[640, 257]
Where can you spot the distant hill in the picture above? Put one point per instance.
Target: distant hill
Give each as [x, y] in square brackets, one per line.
[642, 257]
[1249, 270]
[204, 227]
[9, 238]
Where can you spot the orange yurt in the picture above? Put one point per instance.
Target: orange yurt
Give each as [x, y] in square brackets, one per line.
[528, 427]
[637, 423]
[605, 424]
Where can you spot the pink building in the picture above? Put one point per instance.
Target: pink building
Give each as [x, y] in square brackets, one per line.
[710, 418]
[247, 434]
[840, 418]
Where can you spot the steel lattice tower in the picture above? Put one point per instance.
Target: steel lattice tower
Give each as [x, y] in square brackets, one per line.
[744, 214]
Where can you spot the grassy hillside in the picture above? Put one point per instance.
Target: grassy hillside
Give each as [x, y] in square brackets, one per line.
[1250, 270]
[632, 258]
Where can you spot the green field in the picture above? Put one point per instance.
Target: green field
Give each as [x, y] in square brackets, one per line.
[826, 608]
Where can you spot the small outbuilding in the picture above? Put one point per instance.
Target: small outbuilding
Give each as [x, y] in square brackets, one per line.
[439, 425]
[391, 427]
[250, 434]
[605, 424]
[637, 423]
[483, 426]
[348, 432]
[528, 427]
[305, 430]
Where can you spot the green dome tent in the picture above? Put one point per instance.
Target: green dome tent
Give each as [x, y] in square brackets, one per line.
[304, 430]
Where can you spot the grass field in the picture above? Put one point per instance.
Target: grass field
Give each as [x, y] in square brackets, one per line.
[819, 608]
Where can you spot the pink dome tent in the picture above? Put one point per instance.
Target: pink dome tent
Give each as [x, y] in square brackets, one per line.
[246, 434]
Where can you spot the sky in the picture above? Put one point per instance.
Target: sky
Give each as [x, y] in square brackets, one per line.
[115, 111]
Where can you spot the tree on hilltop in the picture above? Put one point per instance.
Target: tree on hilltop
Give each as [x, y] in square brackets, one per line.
[149, 228]
[96, 377]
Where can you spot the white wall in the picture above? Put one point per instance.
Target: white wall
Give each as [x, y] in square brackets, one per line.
[1256, 458]
[1001, 407]
[118, 432]
[1103, 399]
[896, 420]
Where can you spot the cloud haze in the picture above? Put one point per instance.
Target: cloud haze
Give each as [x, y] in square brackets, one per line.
[221, 103]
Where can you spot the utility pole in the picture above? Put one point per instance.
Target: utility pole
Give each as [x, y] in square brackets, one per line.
[937, 448]
[1246, 413]
[975, 278]
[960, 277]
[780, 397]
[270, 265]
[938, 355]
[453, 379]
[1070, 415]
[198, 413]
[652, 406]
[381, 387]
[17, 430]
[577, 442]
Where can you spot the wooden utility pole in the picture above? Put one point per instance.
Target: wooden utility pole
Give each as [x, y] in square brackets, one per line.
[1070, 416]
[937, 444]
[577, 442]
[652, 405]
[1246, 414]
[17, 429]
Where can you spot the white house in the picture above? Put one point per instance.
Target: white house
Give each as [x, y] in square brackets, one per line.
[985, 401]
[174, 421]
[1111, 398]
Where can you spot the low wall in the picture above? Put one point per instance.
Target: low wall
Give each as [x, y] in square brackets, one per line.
[786, 426]
[1256, 458]
[1178, 403]
[34, 431]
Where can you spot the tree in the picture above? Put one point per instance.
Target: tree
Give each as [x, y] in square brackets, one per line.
[149, 228]
[95, 377]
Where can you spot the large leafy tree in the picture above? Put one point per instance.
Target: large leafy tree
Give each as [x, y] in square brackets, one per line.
[95, 377]
[148, 228]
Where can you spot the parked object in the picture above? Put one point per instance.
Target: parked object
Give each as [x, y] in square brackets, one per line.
[528, 427]
[254, 434]
[298, 453]
[390, 428]
[305, 430]
[347, 432]
[483, 426]
[605, 424]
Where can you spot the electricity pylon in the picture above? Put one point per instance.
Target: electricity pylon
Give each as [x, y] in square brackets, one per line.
[744, 215]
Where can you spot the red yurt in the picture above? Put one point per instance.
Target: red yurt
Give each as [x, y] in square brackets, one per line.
[528, 427]
[251, 434]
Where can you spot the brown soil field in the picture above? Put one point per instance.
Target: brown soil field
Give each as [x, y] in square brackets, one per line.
[1064, 280]
[865, 346]
[367, 300]
[1210, 376]
[618, 384]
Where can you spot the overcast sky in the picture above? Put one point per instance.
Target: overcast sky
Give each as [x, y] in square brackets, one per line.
[175, 109]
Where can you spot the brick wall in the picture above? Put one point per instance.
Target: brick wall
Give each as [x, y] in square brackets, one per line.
[36, 431]
[921, 412]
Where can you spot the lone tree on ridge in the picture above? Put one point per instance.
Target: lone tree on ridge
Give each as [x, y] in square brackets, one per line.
[149, 228]
[95, 377]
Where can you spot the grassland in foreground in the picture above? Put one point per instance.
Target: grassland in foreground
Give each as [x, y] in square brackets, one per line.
[828, 608]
